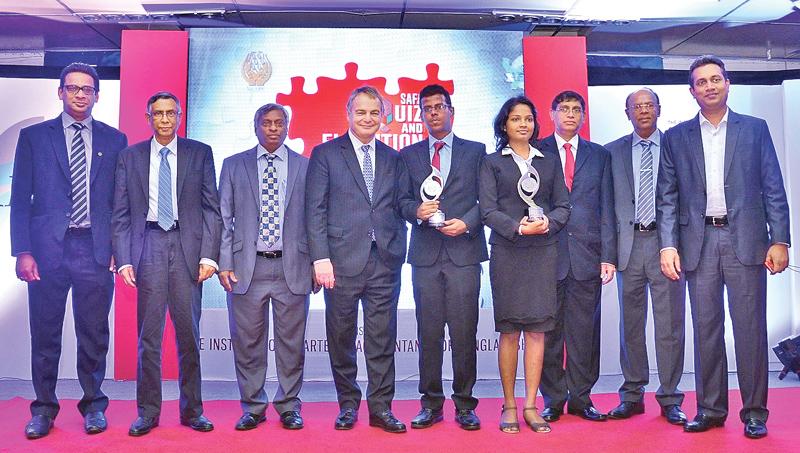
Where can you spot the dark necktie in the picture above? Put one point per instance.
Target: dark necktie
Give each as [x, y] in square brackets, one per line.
[270, 204]
[77, 170]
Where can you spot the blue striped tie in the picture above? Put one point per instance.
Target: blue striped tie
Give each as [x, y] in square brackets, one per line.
[645, 206]
[77, 170]
[165, 216]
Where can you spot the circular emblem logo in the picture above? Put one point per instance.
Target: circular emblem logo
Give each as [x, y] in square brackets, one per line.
[256, 68]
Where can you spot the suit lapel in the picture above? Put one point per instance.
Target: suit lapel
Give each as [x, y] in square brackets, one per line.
[455, 159]
[250, 167]
[381, 168]
[184, 155]
[60, 146]
[628, 160]
[731, 139]
[142, 158]
[349, 155]
[695, 139]
[582, 155]
[98, 145]
[292, 169]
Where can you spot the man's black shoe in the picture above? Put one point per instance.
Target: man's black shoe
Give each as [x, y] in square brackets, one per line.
[387, 422]
[467, 419]
[292, 420]
[142, 426]
[626, 409]
[552, 414]
[703, 423]
[347, 419]
[94, 422]
[199, 423]
[426, 418]
[755, 429]
[249, 420]
[38, 426]
[588, 413]
[674, 414]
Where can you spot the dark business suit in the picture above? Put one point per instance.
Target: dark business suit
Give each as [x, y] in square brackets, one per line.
[639, 274]
[446, 270]
[166, 264]
[339, 218]
[588, 239]
[730, 256]
[283, 282]
[77, 259]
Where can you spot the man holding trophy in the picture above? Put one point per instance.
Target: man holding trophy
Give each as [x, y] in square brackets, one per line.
[440, 200]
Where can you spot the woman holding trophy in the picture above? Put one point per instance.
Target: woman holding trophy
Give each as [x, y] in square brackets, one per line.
[524, 201]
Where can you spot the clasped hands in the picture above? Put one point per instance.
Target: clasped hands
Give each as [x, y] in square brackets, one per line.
[452, 227]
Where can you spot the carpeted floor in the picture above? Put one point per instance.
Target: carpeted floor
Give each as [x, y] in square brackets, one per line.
[648, 432]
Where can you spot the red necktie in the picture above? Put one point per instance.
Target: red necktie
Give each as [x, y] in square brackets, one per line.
[569, 166]
[435, 161]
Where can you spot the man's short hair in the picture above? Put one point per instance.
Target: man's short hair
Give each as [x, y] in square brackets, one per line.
[266, 108]
[433, 90]
[163, 95]
[80, 67]
[369, 91]
[704, 60]
[567, 95]
[649, 90]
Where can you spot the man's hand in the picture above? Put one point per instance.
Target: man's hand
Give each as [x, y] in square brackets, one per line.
[670, 264]
[777, 258]
[128, 276]
[27, 269]
[426, 210]
[226, 279]
[607, 272]
[323, 272]
[205, 272]
[537, 227]
[453, 227]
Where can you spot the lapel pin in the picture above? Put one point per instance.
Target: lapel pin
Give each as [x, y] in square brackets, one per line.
[99, 154]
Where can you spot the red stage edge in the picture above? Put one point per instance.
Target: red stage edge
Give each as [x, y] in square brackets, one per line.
[151, 61]
[552, 65]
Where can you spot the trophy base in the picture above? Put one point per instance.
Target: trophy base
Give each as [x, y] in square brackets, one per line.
[535, 213]
[436, 220]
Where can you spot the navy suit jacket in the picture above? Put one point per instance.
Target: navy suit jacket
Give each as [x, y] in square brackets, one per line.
[198, 204]
[458, 200]
[624, 194]
[240, 204]
[339, 215]
[502, 208]
[590, 236]
[41, 201]
[758, 213]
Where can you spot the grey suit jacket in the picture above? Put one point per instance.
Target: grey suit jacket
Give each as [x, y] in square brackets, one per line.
[624, 195]
[458, 200]
[240, 205]
[758, 213]
[198, 204]
[339, 215]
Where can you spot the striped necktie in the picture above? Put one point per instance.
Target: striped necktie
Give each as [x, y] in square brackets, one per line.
[166, 218]
[77, 170]
[646, 203]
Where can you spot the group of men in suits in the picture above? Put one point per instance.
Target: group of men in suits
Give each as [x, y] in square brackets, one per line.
[703, 204]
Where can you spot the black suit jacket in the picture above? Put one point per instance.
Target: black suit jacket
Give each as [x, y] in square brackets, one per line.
[458, 200]
[590, 236]
[339, 215]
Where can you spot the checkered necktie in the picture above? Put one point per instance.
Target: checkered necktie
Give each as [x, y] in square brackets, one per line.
[270, 205]
[645, 206]
[166, 217]
[77, 170]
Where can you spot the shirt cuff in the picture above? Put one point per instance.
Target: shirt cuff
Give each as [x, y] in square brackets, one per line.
[209, 262]
[123, 267]
[667, 248]
[323, 260]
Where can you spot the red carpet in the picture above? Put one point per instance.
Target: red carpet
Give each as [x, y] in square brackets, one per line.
[648, 432]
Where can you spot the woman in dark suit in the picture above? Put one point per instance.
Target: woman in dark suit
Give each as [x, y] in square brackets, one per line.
[522, 267]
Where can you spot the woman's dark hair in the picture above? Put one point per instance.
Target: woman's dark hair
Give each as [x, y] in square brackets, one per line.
[500, 134]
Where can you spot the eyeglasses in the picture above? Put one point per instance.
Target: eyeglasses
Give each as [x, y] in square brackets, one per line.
[171, 114]
[435, 108]
[646, 107]
[73, 89]
[566, 110]
[269, 124]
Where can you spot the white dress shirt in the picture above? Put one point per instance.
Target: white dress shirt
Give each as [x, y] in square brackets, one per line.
[714, 156]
